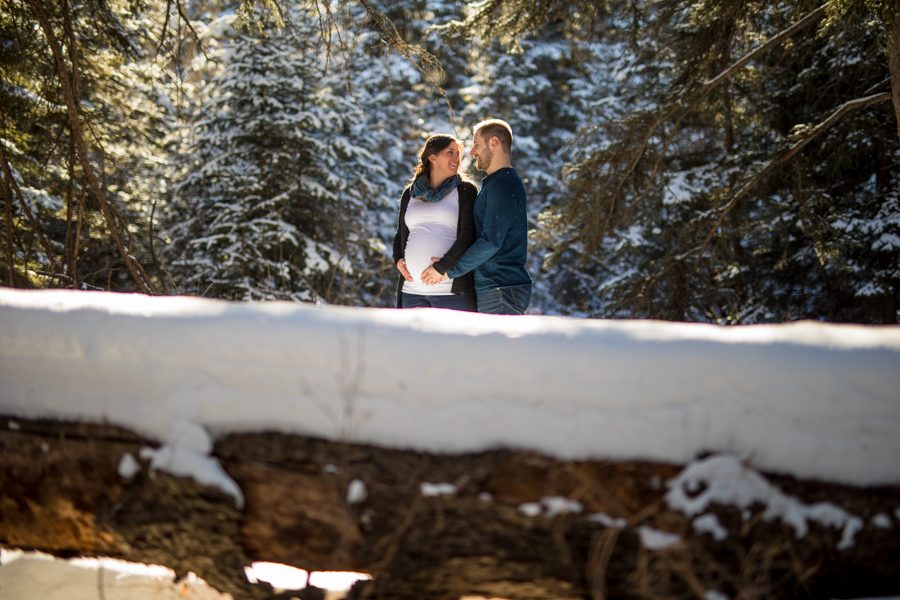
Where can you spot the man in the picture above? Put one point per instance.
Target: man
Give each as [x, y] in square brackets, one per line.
[502, 285]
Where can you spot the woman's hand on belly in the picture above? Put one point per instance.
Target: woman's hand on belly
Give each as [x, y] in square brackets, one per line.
[401, 264]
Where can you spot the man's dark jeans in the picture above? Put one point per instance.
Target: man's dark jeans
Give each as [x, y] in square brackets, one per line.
[505, 301]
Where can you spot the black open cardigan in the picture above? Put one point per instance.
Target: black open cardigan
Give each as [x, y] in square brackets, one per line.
[465, 237]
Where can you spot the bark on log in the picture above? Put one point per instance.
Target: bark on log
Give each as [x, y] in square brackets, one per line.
[60, 493]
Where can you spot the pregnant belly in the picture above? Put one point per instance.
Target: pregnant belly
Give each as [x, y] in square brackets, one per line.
[420, 247]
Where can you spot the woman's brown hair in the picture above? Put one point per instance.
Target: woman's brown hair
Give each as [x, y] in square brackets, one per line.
[433, 145]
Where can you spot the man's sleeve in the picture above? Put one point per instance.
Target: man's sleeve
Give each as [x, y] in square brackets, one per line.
[499, 214]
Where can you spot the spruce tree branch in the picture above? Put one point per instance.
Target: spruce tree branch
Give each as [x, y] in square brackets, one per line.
[165, 28]
[684, 104]
[77, 133]
[194, 34]
[805, 138]
[776, 40]
[7, 173]
[410, 53]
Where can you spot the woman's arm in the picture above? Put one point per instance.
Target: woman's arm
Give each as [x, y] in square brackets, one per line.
[402, 230]
[401, 236]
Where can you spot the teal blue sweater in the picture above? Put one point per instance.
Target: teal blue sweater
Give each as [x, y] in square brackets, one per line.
[501, 234]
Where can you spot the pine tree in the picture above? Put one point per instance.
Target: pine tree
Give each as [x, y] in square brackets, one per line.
[716, 195]
[82, 134]
[278, 176]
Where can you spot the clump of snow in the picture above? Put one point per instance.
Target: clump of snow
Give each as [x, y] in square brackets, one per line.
[709, 523]
[13, 426]
[550, 507]
[485, 497]
[725, 480]
[882, 521]
[331, 469]
[437, 489]
[280, 577]
[558, 505]
[186, 454]
[336, 581]
[356, 492]
[128, 466]
[654, 539]
[715, 595]
[607, 521]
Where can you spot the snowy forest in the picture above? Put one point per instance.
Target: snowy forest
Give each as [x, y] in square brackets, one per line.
[729, 161]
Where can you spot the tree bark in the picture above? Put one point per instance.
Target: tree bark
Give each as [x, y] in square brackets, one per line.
[890, 14]
[75, 123]
[60, 492]
[7, 206]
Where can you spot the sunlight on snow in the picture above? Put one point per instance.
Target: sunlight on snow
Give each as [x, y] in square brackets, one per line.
[284, 577]
[280, 577]
[336, 580]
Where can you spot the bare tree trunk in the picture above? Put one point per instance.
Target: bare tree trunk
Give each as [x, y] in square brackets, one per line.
[7, 204]
[890, 15]
[70, 212]
[75, 123]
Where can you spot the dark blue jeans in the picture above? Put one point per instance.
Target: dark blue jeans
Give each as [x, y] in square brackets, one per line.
[505, 301]
[453, 301]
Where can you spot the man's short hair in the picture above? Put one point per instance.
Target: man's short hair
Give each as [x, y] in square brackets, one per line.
[496, 128]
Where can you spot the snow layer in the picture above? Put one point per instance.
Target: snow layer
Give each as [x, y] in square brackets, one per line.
[37, 575]
[810, 399]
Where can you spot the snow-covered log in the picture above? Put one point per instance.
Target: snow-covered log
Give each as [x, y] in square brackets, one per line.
[809, 399]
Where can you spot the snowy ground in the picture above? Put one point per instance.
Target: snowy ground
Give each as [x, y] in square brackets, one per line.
[38, 576]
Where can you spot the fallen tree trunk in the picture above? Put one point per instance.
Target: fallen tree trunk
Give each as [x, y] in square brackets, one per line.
[507, 528]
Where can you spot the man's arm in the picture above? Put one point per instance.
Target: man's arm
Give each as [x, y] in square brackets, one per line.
[466, 234]
[498, 217]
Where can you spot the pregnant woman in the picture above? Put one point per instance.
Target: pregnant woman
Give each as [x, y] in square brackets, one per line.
[436, 221]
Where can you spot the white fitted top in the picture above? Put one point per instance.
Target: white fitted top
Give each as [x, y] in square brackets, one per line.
[432, 230]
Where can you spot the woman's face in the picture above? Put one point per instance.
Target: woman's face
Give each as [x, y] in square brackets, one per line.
[445, 163]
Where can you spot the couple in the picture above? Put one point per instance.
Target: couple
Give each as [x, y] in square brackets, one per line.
[459, 248]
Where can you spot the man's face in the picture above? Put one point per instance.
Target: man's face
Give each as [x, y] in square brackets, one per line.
[481, 150]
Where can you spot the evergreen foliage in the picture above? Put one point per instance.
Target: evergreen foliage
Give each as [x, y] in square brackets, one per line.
[279, 175]
[720, 198]
[257, 150]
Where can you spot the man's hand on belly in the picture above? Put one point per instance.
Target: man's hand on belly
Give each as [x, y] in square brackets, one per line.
[430, 276]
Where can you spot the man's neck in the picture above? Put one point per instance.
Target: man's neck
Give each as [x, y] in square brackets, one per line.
[497, 164]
